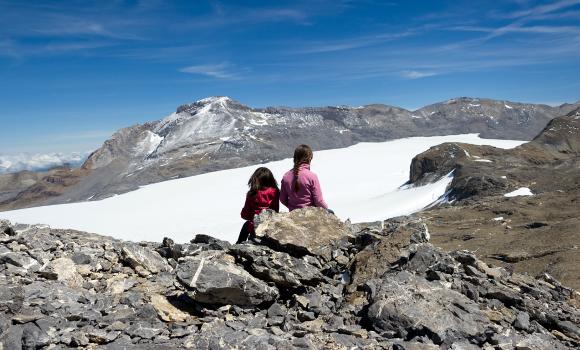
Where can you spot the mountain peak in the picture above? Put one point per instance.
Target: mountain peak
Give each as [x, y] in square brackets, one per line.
[214, 99]
[208, 102]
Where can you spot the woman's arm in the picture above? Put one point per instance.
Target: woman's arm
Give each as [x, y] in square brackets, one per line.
[283, 193]
[275, 204]
[317, 198]
[247, 211]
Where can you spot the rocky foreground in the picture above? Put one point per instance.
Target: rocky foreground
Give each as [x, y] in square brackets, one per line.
[308, 282]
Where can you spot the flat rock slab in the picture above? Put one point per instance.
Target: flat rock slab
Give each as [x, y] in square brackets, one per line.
[278, 267]
[214, 281]
[407, 304]
[137, 256]
[301, 231]
[62, 269]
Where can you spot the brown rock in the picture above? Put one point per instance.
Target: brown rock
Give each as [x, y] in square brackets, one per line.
[302, 231]
[166, 311]
[62, 269]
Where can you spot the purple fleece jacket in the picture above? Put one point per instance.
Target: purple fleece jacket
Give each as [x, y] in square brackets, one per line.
[309, 194]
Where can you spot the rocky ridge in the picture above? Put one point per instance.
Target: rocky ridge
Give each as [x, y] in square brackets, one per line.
[220, 133]
[373, 286]
[536, 233]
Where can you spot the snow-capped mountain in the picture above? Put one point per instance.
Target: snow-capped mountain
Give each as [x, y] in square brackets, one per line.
[219, 133]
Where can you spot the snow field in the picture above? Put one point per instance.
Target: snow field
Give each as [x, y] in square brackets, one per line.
[361, 182]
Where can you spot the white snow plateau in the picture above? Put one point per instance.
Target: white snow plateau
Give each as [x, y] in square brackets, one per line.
[362, 182]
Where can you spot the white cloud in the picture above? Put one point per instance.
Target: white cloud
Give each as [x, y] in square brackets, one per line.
[220, 71]
[353, 43]
[413, 74]
[11, 163]
[546, 8]
[522, 29]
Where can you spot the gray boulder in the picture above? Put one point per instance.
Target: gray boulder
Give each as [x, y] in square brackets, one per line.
[6, 228]
[62, 269]
[137, 257]
[303, 231]
[18, 259]
[214, 281]
[391, 250]
[406, 304]
[278, 267]
[11, 298]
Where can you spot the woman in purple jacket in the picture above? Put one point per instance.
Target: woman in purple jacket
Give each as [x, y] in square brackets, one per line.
[300, 187]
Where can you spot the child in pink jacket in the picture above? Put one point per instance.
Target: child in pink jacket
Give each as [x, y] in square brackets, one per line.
[300, 187]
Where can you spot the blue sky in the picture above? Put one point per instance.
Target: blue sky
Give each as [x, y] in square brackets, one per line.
[72, 72]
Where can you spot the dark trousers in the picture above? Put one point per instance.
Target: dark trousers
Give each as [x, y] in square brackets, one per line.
[245, 233]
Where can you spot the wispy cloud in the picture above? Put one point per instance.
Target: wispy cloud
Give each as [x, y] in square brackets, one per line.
[228, 15]
[543, 9]
[160, 52]
[222, 70]
[275, 15]
[32, 29]
[352, 43]
[521, 29]
[413, 74]
[10, 48]
[519, 24]
[526, 16]
[59, 25]
[50, 23]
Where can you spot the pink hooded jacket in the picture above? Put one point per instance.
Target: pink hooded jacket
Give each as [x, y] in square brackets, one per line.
[309, 194]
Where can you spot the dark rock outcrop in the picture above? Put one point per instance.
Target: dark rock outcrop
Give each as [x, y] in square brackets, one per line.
[548, 162]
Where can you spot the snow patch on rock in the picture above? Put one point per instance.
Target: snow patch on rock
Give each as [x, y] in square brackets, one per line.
[522, 191]
[150, 143]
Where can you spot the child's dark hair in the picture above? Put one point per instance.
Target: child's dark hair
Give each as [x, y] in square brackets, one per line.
[302, 155]
[260, 179]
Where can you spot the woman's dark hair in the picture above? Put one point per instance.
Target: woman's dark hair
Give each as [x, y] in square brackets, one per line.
[261, 178]
[302, 155]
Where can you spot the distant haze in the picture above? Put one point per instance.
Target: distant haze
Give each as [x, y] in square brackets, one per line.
[39, 162]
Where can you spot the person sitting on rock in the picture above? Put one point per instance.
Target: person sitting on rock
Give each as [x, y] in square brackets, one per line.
[300, 187]
[263, 194]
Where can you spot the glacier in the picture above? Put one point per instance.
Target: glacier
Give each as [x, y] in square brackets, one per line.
[361, 183]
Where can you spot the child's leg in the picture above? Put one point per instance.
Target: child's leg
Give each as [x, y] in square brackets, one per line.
[244, 233]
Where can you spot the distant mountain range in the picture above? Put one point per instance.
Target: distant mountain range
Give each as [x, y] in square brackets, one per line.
[218, 133]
